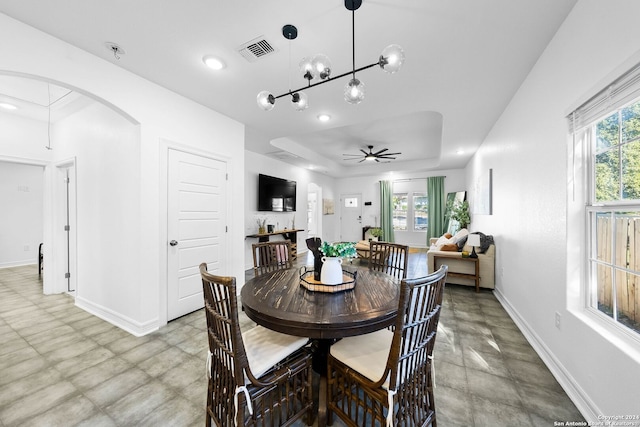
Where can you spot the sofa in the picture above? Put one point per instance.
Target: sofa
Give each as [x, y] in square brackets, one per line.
[450, 248]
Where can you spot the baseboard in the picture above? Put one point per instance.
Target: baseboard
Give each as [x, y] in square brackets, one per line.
[18, 263]
[578, 396]
[123, 322]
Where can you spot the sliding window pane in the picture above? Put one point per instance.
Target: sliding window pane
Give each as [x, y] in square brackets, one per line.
[607, 132]
[608, 175]
[604, 230]
[628, 300]
[604, 290]
[420, 215]
[631, 171]
[400, 211]
[631, 122]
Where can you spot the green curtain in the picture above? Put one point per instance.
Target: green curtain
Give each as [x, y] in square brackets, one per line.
[386, 210]
[436, 208]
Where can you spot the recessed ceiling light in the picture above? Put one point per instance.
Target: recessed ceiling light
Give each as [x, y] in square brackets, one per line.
[324, 117]
[213, 62]
[8, 106]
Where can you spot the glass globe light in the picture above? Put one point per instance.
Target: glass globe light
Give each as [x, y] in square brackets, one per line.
[265, 100]
[306, 68]
[299, 101]
[354, 91]
[321, 66]
[391, 58]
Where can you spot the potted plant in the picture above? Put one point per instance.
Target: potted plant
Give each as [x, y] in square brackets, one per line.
[262, 228]
[331, 273]
[375, 233]
[460, 213]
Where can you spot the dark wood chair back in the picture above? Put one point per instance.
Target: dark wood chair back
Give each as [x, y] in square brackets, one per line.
[403, 395]
[390, 258]
[271, 256]
[228, 369]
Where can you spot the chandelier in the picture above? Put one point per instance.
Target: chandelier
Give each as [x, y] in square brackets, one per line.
[318, 69]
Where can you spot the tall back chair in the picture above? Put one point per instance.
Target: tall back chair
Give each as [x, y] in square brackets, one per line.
[256, 378]
[386, 377]
[390, 258]
[271, 256]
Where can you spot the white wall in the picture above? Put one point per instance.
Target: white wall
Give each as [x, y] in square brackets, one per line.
[527, 151]
[21, 215]
[107, 154]
[258, 164]
[165, 119]
[370, 188]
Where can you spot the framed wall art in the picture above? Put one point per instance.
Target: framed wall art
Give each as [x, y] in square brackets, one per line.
[483, 194]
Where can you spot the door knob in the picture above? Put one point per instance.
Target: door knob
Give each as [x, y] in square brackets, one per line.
[173, 243]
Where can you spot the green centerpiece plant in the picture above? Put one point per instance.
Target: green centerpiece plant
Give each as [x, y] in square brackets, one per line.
[339, 250]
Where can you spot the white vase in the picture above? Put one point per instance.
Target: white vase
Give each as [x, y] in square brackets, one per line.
[331, 273]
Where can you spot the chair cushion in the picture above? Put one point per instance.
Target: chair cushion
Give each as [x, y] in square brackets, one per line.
[265, 348]
[363, 245]
[366, 354]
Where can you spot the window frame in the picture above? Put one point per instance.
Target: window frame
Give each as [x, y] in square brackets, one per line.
[405, 194]
[592, 209]
[425, 210]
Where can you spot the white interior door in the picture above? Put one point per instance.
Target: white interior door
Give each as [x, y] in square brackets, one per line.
[350, 217]
[196, 227]
[63, 256]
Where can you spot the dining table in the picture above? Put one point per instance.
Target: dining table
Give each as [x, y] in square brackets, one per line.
[280, 301]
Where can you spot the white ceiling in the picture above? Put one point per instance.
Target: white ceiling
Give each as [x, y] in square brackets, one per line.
[465, 59]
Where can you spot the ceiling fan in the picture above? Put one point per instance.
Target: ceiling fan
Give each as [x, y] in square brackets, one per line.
[371, 156]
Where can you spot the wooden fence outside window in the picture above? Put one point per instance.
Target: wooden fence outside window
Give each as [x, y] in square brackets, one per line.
[625, 257]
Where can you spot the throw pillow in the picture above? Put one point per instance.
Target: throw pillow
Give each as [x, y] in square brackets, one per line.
[460, 243]
[443, 241]
[451, 247]
[460, 234]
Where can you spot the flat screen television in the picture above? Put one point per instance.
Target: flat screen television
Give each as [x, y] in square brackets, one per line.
[276, 194]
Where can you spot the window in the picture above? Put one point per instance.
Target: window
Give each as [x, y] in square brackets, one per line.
[420, 215]
[400, 211]
[613, 212]
[350, 202]
[410, 211]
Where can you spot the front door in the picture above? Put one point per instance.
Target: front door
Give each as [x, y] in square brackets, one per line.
[196, 227]
[350, 217]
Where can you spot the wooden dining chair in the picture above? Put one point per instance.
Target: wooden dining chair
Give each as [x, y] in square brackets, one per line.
[390, 258]
[386, 377]
[256, 378]
[271, 256]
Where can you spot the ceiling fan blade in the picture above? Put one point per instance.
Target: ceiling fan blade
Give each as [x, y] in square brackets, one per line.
[365, 153]
[389, 154]
[362, 160]
[381, 151]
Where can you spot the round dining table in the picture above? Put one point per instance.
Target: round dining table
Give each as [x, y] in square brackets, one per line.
[279, 301]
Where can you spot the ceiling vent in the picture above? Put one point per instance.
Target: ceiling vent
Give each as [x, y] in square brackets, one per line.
[256, 49]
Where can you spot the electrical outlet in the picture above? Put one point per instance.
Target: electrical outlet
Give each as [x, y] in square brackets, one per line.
[558, 317]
